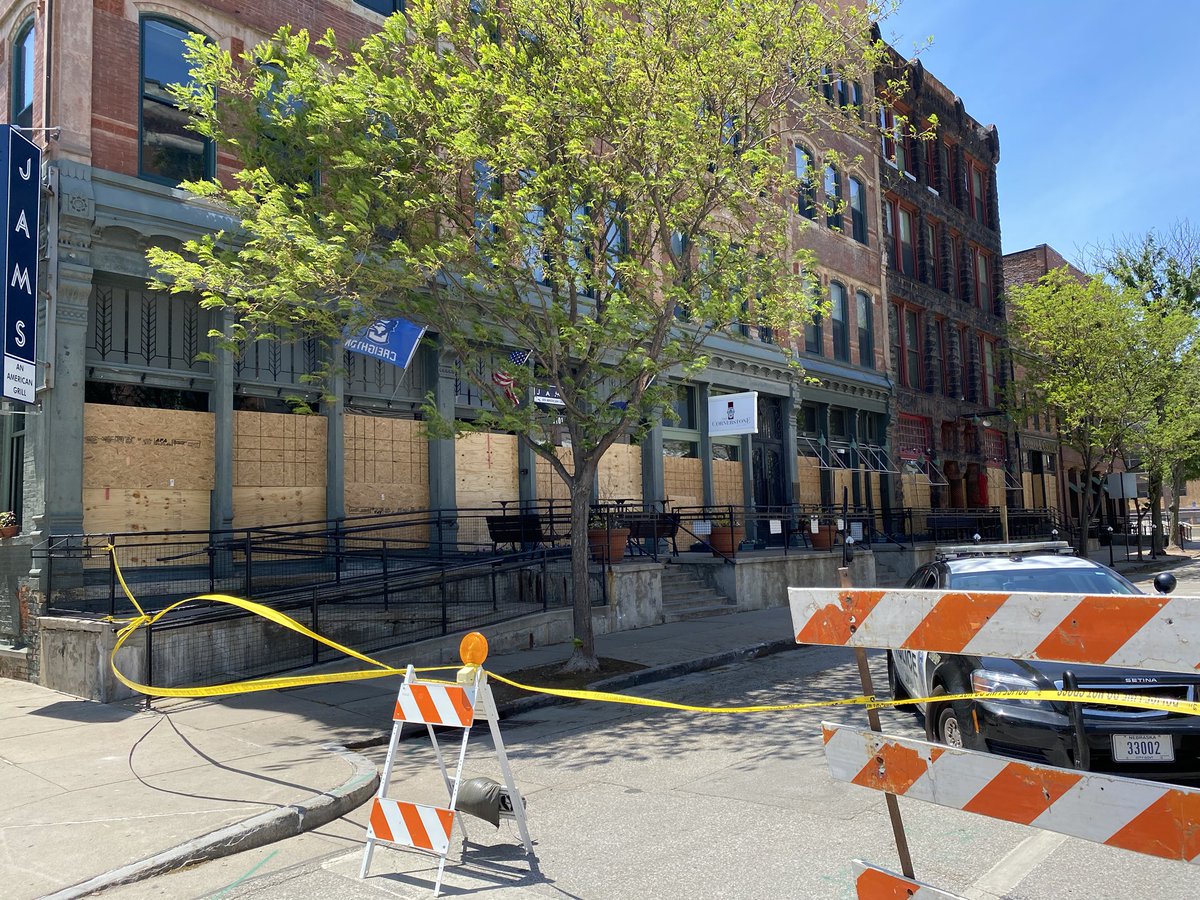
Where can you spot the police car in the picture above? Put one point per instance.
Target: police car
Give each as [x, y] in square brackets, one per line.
[1145, 743]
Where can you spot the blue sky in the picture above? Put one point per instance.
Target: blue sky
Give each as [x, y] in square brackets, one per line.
[1095, 103]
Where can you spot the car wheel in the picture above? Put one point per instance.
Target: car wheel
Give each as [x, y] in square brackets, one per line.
[943, 724]
[895, 688]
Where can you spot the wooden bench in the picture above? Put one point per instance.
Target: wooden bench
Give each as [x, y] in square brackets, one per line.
[520, 530]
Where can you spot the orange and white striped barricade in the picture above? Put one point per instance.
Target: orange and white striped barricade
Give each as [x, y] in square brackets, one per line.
[1144, 816]
[1130, 631]
[427, 828]
[1136, 631]
[874, 883]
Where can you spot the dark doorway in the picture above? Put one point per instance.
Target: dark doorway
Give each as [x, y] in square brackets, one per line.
[767, 452]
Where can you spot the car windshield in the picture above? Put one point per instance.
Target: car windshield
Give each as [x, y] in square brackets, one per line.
[1059, 581]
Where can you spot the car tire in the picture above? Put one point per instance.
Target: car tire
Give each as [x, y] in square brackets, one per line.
[944, 724]
[895, 689]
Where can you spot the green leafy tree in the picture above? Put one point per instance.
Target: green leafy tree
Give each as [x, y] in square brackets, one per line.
[1165, 271]
[1082, 351]
[601, 183]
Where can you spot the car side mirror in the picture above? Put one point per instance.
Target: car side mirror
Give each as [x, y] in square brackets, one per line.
[1164, 582]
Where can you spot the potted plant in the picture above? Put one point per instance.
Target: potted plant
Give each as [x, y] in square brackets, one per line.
[727, 532]
[9, 526]
[606, 537]
[823, 538]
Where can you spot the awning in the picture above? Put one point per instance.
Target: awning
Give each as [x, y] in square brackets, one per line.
[839, 455]
[926, 470]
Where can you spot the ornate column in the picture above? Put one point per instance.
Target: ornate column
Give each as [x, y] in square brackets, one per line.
[54, 471]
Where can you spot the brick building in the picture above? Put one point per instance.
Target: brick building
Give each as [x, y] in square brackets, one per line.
[136, 430]
[941, 230]
[1050, 472]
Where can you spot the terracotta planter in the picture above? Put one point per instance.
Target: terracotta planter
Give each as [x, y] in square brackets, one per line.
[725, 539]
[607, 545]
[823, 539]
[7, 531]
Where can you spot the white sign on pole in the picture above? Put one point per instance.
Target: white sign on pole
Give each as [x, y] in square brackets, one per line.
[733, 414]
[776, 526]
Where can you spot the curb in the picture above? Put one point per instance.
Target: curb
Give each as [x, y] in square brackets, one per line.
[265, 828]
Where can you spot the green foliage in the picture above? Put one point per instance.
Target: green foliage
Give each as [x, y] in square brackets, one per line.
[600, 182]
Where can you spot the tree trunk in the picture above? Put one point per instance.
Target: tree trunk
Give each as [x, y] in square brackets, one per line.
[1085, 507]
[1155, 487]
[583, 658]
[1178, 485]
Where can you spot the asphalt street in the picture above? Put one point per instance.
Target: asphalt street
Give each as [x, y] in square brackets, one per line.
[628, 802]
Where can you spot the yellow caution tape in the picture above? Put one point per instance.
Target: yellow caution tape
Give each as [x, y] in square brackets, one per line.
[383, 670]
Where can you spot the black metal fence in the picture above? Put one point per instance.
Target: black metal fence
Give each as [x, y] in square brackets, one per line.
[210, 643]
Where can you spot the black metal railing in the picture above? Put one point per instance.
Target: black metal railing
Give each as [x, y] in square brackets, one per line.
[208, 643]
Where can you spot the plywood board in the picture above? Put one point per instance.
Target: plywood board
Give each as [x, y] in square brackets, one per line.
[253, 506]
[620, 474]
[549, 485]
[808, 475]
[916, 491]
[279, 450]
[727, 483]
[386, 465]
[113, 510]
[127, 447]
[995, 479]
[485, 470]
[683, 481]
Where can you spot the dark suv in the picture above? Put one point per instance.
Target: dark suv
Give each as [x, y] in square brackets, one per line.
[1129, 741]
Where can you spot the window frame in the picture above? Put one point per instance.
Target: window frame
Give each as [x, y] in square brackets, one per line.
[858, 210]
[814, 336]
[840, 325]
[913, 370]
[209, 155]
[806, 190]
[981, 269]
[833, 205]
[977, 192]
[933, 256]
[397, 6]
[22, 70]
[864, 315]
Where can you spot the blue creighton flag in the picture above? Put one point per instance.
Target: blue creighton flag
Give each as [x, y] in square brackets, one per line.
[392, 340]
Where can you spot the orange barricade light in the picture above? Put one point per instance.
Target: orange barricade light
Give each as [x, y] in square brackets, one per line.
[473, 649]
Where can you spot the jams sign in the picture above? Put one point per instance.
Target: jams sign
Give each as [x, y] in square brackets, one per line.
[20, 185]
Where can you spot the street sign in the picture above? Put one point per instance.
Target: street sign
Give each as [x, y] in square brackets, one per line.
[21, 187]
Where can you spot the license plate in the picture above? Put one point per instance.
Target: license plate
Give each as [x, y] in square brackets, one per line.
[1142, 748]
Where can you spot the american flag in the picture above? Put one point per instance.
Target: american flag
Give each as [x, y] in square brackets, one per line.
[504, 380]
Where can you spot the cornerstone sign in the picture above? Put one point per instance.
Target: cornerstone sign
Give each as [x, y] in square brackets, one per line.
[21, 187]
[733, 413]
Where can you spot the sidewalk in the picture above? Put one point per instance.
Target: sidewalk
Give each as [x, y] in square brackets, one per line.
[100, 794]
[103, 794]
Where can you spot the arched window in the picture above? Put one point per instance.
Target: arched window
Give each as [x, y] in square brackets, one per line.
[866, 329]
[833, 197]
[806, 200]
[839, 312]
[22, 77]
[168, 151]
[858, 210]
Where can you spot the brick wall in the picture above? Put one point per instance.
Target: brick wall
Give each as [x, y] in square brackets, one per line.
[233, 25]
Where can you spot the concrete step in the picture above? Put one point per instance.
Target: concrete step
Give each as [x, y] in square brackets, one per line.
[703, 598]
[685, 590]
[679, 614]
